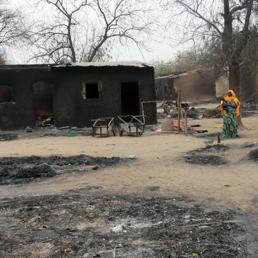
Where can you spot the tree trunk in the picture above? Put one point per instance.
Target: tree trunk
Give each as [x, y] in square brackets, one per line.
[234, 79]
[69, 34]
[235, 84]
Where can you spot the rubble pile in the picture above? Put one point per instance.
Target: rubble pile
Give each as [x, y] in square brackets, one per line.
[82, 225]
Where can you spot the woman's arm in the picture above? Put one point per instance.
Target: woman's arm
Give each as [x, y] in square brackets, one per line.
[233, 105]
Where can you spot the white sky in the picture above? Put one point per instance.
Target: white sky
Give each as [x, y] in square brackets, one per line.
[160, 45]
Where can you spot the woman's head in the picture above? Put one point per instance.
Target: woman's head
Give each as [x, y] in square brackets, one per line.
[231, 93]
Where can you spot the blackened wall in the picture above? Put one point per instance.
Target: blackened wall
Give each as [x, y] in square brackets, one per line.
[68, 105]
[20, 112]
[71, 109]
[165, 89]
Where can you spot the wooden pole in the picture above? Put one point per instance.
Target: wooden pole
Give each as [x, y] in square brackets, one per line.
[179, 110]
[143, 113]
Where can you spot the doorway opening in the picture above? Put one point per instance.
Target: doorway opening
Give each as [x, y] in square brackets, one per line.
[130, 102]
[6, 94]
[43, 103]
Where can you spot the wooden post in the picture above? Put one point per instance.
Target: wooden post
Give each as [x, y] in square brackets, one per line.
[143, 113]
[186, 124]
[179, 110]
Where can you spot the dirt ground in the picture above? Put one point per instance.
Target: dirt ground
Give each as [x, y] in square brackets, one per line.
[159, 163]
[159, 171]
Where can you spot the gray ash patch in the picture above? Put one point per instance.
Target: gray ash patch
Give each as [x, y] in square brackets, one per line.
[216, 148]
[248, 145]
[8, 137]
[14, 170]
[253, 155]
[29, 171]
[81, 225]
[209, 155]
[206, 160]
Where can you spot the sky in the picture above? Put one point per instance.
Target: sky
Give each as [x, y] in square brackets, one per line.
[162, 44]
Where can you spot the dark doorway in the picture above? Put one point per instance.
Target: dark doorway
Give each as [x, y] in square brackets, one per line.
[43, 103]
[130, 98]
[5, 94]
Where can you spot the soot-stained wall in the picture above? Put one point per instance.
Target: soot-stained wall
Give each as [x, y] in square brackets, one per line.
[19, 112]
[72, 109]
[69, 107]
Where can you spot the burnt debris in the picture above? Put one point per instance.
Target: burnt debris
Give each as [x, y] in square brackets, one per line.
[8, 137]
[253, 155]
[209, 155]
[86, 225]
[14, 170]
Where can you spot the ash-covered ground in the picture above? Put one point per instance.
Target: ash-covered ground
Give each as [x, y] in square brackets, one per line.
[15, 170]
[216, 154]
[88, 224]
[209, 155]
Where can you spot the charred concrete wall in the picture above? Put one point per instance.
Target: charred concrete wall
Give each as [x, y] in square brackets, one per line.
[19, 112]
[69, 105]
[165, 89]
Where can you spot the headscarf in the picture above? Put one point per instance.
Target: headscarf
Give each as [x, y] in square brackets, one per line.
[236, 100]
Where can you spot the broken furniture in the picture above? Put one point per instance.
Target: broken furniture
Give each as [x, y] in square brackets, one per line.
[102, 126]
[132, 125]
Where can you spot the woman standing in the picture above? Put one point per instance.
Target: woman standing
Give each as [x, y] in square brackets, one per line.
[230, 108]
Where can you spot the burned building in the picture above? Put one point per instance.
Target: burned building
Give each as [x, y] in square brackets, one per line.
[165, 89]
[74, 94]
[193, 85]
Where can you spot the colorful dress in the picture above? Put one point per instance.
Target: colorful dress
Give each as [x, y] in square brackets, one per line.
[230, 125]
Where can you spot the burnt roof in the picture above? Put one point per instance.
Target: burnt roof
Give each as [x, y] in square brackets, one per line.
[74, 65]
[179, 74]
[103, 64]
